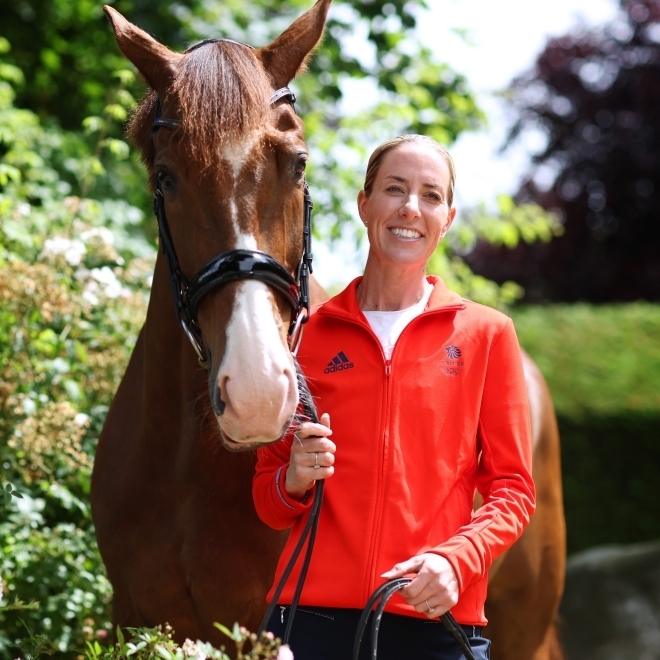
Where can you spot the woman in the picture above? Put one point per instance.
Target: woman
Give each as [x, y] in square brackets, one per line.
[428, 403]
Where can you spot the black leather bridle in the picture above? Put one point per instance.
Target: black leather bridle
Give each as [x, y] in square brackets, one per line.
[234, 265]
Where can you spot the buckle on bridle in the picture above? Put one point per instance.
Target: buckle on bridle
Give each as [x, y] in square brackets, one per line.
[296, 331]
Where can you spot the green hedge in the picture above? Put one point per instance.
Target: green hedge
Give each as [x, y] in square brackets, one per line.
[610, 471]
[596, 359]
[602, 364]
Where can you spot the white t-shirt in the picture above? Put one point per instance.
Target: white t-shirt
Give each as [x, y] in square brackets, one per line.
[387, 326]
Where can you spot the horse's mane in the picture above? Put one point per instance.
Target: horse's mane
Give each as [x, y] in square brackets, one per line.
[221, 91]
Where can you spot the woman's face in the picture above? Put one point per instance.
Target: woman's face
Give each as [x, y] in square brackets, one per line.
[407, 210]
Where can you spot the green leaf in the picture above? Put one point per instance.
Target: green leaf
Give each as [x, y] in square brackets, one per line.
[224, 630]
[163, 652]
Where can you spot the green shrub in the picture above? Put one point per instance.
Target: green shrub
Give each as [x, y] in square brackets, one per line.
[74, 277]
[602, 364]
[596, 359]
[610, 466]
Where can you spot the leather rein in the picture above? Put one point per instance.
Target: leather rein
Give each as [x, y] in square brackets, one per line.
[234, 265]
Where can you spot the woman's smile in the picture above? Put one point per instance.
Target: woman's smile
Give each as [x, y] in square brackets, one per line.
[407, 234]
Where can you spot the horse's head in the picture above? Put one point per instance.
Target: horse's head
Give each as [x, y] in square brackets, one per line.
[230, 169]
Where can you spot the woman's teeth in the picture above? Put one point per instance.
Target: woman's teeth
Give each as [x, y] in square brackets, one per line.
[405, 233]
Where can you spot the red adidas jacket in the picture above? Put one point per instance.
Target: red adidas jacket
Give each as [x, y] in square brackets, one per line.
[415, 436]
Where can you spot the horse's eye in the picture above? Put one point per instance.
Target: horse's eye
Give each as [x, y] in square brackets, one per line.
[301, 164]
[166, 181]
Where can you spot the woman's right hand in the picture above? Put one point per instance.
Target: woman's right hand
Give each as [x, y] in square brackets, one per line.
[311, 446]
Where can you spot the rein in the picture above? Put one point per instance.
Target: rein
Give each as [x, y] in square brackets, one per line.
[379, 599]
[234, 265]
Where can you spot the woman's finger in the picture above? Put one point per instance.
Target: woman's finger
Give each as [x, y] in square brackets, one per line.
[411, 565]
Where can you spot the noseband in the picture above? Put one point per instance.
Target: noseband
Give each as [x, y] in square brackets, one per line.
[234, 265]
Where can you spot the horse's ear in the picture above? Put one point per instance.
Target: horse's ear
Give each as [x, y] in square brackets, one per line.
[288, 54]
[155, 62]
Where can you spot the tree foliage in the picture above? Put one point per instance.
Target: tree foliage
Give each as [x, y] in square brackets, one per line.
[67, 52]
[595, 95]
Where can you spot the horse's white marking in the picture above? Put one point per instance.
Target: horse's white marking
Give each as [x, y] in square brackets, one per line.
[246, 241]
[236, 155]
[256, 378]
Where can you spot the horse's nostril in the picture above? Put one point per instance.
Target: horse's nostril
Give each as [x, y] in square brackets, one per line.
[218, 403]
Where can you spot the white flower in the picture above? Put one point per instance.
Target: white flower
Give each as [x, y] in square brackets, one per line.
[81, 419]
[89, 296]
[73, 251]
[192, 650]
[102, 233]
[108, 280]
[284, 653]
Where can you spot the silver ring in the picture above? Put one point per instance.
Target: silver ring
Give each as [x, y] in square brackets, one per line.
[316, 462]
[431, 609]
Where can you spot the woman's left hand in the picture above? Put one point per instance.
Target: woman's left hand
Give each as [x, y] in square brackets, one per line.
[434, 589]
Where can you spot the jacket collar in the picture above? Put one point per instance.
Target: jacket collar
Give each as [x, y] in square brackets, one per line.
[346, 302]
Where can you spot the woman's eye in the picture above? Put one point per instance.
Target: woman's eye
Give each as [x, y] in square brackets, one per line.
[165, 180]
[394, 189]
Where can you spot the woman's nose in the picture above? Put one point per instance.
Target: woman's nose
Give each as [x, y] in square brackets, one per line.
[410, 208]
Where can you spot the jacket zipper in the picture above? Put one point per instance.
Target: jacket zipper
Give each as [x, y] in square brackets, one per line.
[380, 493]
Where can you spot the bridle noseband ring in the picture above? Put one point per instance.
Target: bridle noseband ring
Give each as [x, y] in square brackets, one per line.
[234, 265]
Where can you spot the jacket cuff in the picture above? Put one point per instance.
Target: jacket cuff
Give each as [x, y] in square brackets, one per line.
[284, 499]
[464, 561]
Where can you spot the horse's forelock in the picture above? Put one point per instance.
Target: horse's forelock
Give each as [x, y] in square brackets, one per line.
[222, 93]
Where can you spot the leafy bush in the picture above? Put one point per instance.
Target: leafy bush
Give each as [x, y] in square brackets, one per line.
[596, 359]
[158, 644]
[72, 297]
[610, 466]
[602, 364]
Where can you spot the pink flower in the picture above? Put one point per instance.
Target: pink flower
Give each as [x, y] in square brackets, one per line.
[284, 653]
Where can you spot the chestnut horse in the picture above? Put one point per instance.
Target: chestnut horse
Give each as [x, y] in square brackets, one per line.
[173, 512]
[525, 584]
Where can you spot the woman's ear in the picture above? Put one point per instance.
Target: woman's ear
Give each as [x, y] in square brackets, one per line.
[362, 201]
[450, 218]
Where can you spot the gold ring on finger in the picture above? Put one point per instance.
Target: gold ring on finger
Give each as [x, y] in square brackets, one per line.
[431, 609]
[316, 462]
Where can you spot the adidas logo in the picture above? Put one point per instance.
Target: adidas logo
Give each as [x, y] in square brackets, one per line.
[338, 363]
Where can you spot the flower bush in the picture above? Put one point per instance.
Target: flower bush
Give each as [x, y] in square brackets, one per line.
[74, 280]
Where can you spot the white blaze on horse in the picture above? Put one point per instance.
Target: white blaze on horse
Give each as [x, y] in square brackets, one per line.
[173, 512]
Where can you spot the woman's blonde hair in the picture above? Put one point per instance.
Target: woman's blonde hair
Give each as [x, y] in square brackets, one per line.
[377, 156]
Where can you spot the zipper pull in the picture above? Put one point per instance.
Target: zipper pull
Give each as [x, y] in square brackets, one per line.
[282, 608]
[388, 367]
